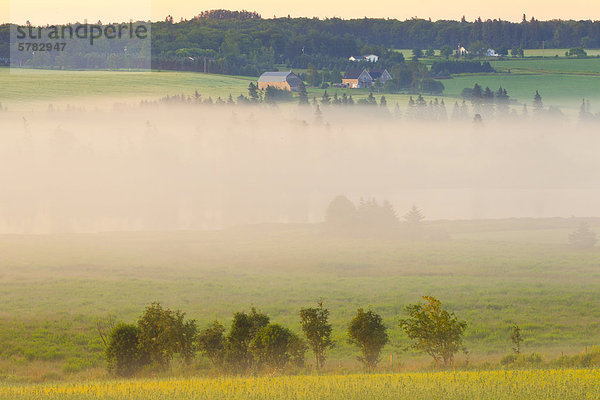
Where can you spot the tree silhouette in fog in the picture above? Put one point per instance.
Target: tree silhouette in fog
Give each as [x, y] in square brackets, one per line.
[583, 237]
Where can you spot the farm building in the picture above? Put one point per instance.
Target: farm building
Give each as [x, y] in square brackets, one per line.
[358, 79]
[368, 57]
[280, 80]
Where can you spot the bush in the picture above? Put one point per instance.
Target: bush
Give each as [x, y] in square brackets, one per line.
[432, 86]
[123, 354]
[275, 347]
[367, 331]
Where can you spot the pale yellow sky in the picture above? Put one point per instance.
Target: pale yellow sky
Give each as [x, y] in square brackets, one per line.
[58, 11]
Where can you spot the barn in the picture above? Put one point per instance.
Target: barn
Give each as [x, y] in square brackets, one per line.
[280, 80]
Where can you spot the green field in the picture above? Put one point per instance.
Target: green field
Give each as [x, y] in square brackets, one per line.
[54, 287]
[562, 82]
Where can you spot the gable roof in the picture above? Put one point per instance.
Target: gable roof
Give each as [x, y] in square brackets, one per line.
[376, 73]
[280, 76]
[275, 76]
[353, 73]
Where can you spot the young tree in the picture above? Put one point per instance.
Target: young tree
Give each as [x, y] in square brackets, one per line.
[211, 343]
[317, 329]
[417, 53]
[446, 51]
[434, 330]
[430, 52]
[515, 337]
[367, 331]
[312, 76]
[123, 354]
[275, 347]
[583, 237]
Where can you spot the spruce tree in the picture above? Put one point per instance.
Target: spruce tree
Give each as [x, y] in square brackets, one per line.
[302, 95]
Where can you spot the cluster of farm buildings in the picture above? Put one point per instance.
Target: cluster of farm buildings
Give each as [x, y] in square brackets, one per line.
[354, 79]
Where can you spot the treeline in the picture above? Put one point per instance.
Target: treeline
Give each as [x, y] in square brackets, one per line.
[445, 68]
[477, 104]
[232, 42]
[253, 344]
[241, 42]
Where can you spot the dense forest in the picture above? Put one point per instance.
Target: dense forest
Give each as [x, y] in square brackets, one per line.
[244, 43]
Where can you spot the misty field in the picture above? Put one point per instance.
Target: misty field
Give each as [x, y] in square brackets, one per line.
[55, 287]
[484, 385]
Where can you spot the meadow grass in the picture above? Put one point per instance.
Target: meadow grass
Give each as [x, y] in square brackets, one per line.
[556, 89]
[54, 287]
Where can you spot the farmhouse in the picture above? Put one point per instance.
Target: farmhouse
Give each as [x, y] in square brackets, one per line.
[358, 79]
[382, 74]
[369, 57]
[280, 80]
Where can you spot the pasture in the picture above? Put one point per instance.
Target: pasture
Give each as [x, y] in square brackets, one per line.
[562, 82]
[55, 287]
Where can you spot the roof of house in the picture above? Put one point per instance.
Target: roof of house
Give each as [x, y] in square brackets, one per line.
[280, 76]
[353, 73]
[376, 73]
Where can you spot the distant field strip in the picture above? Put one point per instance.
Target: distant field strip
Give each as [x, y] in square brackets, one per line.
[522, 385]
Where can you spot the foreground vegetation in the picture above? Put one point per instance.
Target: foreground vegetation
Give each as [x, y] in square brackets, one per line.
[565, 384]
[492, 274]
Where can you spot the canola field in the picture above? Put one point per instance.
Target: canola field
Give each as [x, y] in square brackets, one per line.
[523, 385]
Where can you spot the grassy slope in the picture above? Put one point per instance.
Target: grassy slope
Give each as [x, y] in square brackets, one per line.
[52, 85]
[562, 82]
[54, 287]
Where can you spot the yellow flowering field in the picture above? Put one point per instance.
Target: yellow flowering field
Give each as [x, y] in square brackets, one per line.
[536, 384]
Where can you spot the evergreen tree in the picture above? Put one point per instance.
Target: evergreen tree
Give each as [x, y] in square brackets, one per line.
[326, 99]
[302, 95]
[253, 92]
[583, 237]
[318, 114]
[371, 99]
[538, 104]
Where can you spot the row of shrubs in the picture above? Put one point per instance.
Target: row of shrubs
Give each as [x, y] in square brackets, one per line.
[254, 344]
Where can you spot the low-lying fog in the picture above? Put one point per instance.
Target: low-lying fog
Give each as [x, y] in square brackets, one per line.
[210, 167]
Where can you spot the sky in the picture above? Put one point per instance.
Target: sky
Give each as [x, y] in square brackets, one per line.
[60, 11]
